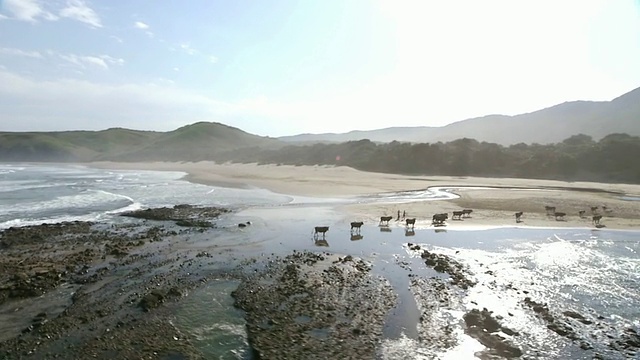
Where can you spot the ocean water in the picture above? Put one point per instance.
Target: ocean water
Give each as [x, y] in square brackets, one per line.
[593, 272]
[35, 194]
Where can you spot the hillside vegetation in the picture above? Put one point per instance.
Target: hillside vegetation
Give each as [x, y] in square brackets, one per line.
[194, 142]
[612, 159]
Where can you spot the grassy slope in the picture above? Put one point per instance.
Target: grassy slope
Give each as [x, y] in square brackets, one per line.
[189, 143]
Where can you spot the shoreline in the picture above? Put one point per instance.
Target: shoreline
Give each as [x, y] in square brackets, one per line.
[494, 200]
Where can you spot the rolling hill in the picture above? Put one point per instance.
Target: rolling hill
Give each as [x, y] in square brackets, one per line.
[194, 142]
[550, 125]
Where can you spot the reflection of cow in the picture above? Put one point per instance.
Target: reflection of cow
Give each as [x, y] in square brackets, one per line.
[550, 210]
[321, 242]
[411, 222]
[320, 230]
[385, 220]
[559, 216]
[596, 219]
[518, 216]
[409, 232]
[356, 225]
[457, 215]
[355, 237]
[439, 219]
[466, 212]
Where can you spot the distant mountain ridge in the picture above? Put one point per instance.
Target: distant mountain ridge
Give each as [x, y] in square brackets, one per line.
[551, 125]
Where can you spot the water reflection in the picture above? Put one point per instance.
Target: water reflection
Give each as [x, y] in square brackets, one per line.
[355, 237]
[321, 242]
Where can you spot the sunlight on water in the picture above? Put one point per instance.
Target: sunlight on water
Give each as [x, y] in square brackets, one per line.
[590, 274]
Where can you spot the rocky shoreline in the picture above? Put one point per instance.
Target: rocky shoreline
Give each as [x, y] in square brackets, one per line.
[105, 291]
[316, 306]
[86, 290]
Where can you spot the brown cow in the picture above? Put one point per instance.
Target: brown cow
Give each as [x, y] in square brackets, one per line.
[438, 219]
[596, 219]
[320, 230]
[411, 222]
[385, 220]
[356, 225]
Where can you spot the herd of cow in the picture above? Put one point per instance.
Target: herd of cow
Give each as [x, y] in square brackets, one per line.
[439, 219]
[596, 217]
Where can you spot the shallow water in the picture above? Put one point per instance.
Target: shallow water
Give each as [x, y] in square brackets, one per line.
[593, 272]
[217, 328]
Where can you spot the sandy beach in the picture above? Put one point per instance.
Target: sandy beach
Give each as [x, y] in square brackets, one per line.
[494, 200]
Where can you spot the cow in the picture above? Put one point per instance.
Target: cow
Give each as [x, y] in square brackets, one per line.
[550, 210]
[581, 213]
[518, 216]
[439, 219]
[411, 222]
[457, 215]
[466, 212]
[320, 230]
[384, 220]
[559, 216]
[356, 225]
[596, 219]
[594, 209]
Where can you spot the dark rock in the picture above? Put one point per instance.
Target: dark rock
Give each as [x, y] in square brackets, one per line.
[445, 264]
[152, 300]
[483, 327]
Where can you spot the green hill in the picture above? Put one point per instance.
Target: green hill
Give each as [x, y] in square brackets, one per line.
[200, 141]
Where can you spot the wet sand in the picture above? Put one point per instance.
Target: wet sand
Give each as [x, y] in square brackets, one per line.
[494, 204]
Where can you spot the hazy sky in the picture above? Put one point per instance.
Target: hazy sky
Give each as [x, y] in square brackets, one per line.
[286, 67]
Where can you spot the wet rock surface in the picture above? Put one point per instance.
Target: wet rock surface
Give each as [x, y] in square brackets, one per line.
[482, 326]
[315, 306]
[445, 264]
[587, 331]
[183, 215]
[87, 290]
